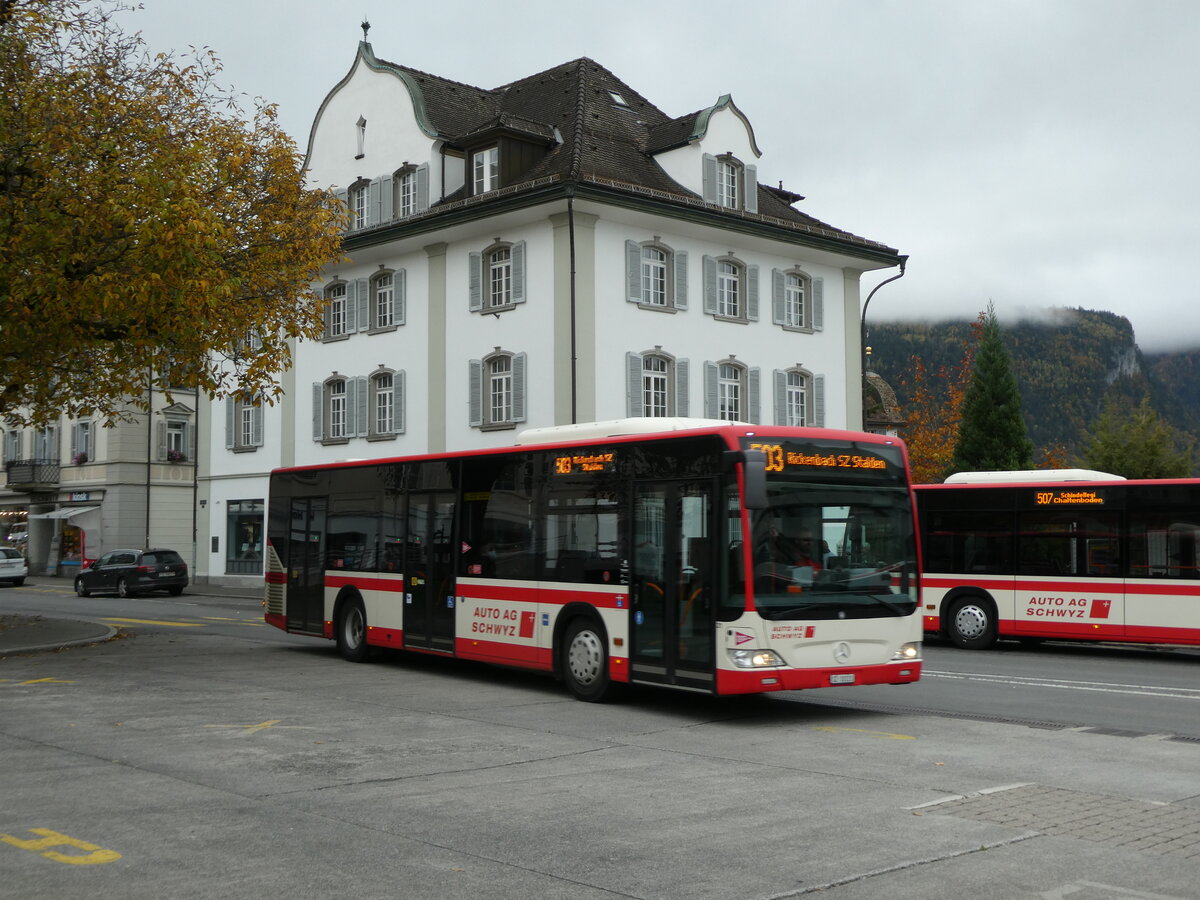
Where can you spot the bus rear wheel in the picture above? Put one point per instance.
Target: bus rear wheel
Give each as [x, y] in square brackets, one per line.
[352, 632]
[972, 623]
[585, 661]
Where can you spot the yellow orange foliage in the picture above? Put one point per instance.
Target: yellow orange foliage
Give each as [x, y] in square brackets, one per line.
[150, 232]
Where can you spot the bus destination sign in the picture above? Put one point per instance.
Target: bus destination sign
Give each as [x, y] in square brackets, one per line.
[585, 463]
[783, 459]
[1072, 497]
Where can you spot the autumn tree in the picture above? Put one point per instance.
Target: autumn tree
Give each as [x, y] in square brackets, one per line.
[152, 234]
[992, 433]
[1135, 443]
[932, 411]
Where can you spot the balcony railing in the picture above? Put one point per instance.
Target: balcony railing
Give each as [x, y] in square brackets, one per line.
[32, 474]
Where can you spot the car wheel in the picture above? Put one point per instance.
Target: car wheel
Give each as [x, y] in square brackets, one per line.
[972, 624]
[585, 661]
[17, 582]
[80, 589]
[123, 589]
[352, 632]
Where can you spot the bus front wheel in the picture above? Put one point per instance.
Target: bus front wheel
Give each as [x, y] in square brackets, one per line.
[585, 661]
[972, 623]
[352, 632]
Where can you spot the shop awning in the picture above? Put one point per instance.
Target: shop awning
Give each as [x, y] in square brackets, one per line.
[67, 512]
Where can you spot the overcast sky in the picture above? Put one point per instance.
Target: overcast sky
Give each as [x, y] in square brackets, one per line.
[1034, 153]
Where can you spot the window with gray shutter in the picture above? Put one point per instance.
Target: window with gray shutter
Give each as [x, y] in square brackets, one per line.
[475, 387]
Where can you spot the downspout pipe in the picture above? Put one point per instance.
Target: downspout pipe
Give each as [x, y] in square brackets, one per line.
[574, 343]
[863, 322]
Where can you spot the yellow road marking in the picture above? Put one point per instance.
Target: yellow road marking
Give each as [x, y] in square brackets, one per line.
[48, 681]
[95, 856]
[882, 734]
[155, 622]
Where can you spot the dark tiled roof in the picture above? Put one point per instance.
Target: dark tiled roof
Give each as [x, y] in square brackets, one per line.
[602, 141]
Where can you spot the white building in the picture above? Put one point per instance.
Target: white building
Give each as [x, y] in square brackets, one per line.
[550, 251]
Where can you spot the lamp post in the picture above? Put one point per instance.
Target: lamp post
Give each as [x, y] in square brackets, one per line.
[863, 349]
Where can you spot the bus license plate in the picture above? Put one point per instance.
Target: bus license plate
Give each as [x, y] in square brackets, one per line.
[846, 678]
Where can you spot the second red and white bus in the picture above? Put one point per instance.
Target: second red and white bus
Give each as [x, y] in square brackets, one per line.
[605, 554]
[1060, 554]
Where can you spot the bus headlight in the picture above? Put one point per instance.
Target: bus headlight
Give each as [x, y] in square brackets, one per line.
[911, 650]
[755, 659]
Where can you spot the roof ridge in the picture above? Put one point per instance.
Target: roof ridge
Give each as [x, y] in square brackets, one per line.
[580, 120]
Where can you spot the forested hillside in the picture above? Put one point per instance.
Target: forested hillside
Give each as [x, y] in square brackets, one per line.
[1066, 364]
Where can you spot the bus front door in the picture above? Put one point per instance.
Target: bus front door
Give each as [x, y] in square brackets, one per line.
[306, 566]
[429, 572]
[673, 584]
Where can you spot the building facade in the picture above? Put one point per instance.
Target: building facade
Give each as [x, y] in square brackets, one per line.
[552, 251]
[79, 486]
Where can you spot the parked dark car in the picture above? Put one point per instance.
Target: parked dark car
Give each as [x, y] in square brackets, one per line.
[13, 568]
[132, 572]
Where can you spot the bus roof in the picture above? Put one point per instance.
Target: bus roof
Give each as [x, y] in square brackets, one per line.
[1027, 476]
[590, 431]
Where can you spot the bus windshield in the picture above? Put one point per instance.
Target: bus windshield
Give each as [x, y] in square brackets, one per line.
[825, 551]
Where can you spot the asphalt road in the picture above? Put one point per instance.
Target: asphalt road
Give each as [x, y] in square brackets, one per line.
[204, 754]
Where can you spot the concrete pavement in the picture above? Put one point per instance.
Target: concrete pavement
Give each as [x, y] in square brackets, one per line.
[23, 633]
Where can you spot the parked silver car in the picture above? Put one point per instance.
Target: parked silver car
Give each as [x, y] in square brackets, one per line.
[13, 567]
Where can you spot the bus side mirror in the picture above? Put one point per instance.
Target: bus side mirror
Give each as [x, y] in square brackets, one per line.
[754, 473]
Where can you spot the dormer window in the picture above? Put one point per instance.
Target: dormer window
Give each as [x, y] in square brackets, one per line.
[729, 174]
[730, 183]
[358, 204]
[406, 192]
[485, 169]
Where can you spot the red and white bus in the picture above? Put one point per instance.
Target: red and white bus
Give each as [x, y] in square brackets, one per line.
[635, 551]
[1061, 554]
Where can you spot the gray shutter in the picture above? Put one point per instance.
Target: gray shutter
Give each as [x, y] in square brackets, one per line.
[475, 373]
[518, 373]
[363, 288]
[778, 310]
[162, 441]
[681, 387]
[710, 285]
[400, 398]
[387, 199]
[475, 283]
[681, 281]
[633, 272]
[780, 379]
[327, 315]
[710, 178]
[518, 272]
[819, 401]
[363, 414]
[422, 187]
[710, 390]
[633, 385]
[752, 293]
[189, 441]
[754, 392]
[318, 411]
[818, 304]
[374, 195]
[351, 307]
[400, 297]
[256, 423]
[343, 197]
[230, 423]
[750, 185]
[74, 439]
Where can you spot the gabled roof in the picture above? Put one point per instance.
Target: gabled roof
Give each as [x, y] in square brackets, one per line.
[590, 136]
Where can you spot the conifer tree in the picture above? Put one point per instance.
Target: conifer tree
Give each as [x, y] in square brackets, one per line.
[992, 434]
[1135, 443]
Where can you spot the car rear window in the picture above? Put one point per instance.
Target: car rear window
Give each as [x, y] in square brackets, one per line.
[162, 558]
[9, 553]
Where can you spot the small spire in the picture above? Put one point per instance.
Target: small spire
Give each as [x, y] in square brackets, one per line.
[366, 26]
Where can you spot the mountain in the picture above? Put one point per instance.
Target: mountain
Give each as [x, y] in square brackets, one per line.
[1066, 363]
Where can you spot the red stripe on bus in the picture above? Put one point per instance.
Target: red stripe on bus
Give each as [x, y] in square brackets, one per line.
[279, 621]
[1097, 586]
[524, 655]
[385, 637]
[365, 582]
[276, 577]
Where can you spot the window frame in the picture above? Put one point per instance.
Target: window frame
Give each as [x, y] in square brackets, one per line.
[485, 175]
[674, 275]
[719, 272]
[376, 392]
[716, 383]
[244, 423]
[337, 310]
[814, 391]
[334, 398]
[358, 200]
[813, 286]
[394, 305]
[484, 375]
